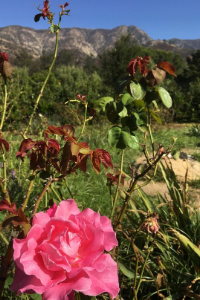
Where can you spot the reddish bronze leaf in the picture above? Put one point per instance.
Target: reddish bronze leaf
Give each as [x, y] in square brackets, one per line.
[167, 67]
[5, 205]
[82, 162]
[140, 62]
[53, 147]
[65, 130]
[66, 156]
[5, 144]
[25, 146]
[100, 155]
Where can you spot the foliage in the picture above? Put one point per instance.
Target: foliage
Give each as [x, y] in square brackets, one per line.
[158, 238]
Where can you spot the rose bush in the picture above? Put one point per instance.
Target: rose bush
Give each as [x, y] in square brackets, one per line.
[64, 252]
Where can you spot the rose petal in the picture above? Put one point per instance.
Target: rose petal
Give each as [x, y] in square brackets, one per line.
[67, 208]
[80, 283]
[41, 219]
[104, 281]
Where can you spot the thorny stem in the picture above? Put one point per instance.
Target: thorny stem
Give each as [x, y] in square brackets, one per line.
[28, 192]
[85, 118]
[41, 195]
[118, 184]
[132, 188]
[4, 106]
[45, 82]
[4, 192]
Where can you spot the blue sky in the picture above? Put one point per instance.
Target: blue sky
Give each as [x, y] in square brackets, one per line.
[161, 19]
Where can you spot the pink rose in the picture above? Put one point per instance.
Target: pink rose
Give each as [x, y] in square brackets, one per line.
[64, 252]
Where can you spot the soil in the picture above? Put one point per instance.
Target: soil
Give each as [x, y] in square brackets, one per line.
[180, 167]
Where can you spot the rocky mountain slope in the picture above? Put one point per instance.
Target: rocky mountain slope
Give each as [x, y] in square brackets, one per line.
[87, 41]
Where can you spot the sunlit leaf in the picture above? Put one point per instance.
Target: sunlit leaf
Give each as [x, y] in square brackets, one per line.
[136, 90]
[127, 99]
[123, 113]
[192, 249]
[100, 104]
[165, 97]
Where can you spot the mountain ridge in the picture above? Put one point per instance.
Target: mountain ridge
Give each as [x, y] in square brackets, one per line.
[90, 42]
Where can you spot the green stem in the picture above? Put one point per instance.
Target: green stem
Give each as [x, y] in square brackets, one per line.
[41, 196]
[150, 132]
[28, 192]
[46, 200]
[4, 172]
[135, 279]
[4, 192]
[4, 106]
[66, 183]
[118, 184]
[4, 238]
[56, 194]
[83, 128]
[143, 267]
[45, 82]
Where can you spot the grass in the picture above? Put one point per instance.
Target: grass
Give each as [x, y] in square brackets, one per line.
[89, 189]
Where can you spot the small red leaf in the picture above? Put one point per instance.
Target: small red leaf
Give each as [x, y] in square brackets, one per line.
[25, 146]
[53, 147]
[5, 205]
[5, 144]
[100, 155]
[167, 67]
[95, 160]
[65, 130]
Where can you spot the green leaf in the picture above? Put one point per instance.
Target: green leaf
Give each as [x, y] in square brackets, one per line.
[119, 138]
[100, 104]
[112, 112]
[136, 90]
[123, 113]
[125, 271]
[151, 96]
[192, 250]
[54, 28]
[35, 296]
[127, 99]
[155, 116]
[121, 83]
[133, 142]
[165, 97]
[2, 217]
[138, 105]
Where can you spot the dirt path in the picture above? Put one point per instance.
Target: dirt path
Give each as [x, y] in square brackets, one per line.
[180, 167]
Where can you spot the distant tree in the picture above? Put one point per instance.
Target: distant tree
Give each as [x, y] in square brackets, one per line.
[23, 59]
[113, 62]
[194, 66]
